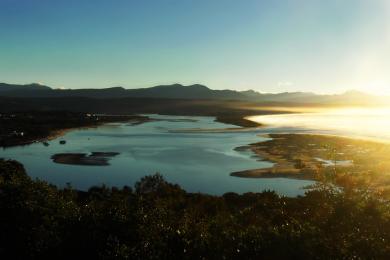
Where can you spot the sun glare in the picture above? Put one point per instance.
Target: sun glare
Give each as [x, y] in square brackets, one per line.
[367, 123]
[379, 87]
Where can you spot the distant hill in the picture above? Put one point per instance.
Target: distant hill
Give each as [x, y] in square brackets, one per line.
[196, 91]
[4, 87]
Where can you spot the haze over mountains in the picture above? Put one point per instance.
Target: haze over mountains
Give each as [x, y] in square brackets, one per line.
[194, 92]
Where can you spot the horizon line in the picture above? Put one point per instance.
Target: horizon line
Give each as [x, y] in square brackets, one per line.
[200, 84]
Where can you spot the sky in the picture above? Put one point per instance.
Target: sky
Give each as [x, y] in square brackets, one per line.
[270, 46]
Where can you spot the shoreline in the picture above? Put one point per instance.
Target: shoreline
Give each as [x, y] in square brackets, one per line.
[282, 168]
[239, 121]
[299, 156]
[56, 133]
[315, 157]
[324, 132]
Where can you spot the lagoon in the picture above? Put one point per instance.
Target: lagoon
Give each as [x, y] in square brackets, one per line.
[199, 161]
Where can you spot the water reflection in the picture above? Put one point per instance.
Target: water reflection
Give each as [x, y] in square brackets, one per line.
[199, 162]
[371, 123]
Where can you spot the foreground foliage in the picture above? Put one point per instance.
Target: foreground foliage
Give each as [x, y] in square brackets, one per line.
[158, 220]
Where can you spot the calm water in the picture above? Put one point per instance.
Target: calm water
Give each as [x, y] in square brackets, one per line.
[199, 162]
[362, 123]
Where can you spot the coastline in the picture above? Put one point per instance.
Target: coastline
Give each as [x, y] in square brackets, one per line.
[283, 166]
[295, 155]
[58, 132]
[314, 157]
[237, 120]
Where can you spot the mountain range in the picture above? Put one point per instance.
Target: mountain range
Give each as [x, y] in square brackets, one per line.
[196, 91]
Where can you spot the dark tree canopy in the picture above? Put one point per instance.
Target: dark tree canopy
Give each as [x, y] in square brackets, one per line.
[159, 220]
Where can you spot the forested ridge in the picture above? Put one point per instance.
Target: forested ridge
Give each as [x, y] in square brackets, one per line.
[158, 220]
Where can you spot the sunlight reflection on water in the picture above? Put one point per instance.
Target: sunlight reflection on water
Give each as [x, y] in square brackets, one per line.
[371, 123]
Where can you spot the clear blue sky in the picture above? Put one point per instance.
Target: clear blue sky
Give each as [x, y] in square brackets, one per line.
[283, 45]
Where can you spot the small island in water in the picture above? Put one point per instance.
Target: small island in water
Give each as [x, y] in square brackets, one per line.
[93, 159]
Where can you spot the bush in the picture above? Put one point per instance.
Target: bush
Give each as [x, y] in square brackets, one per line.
[160, 220]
